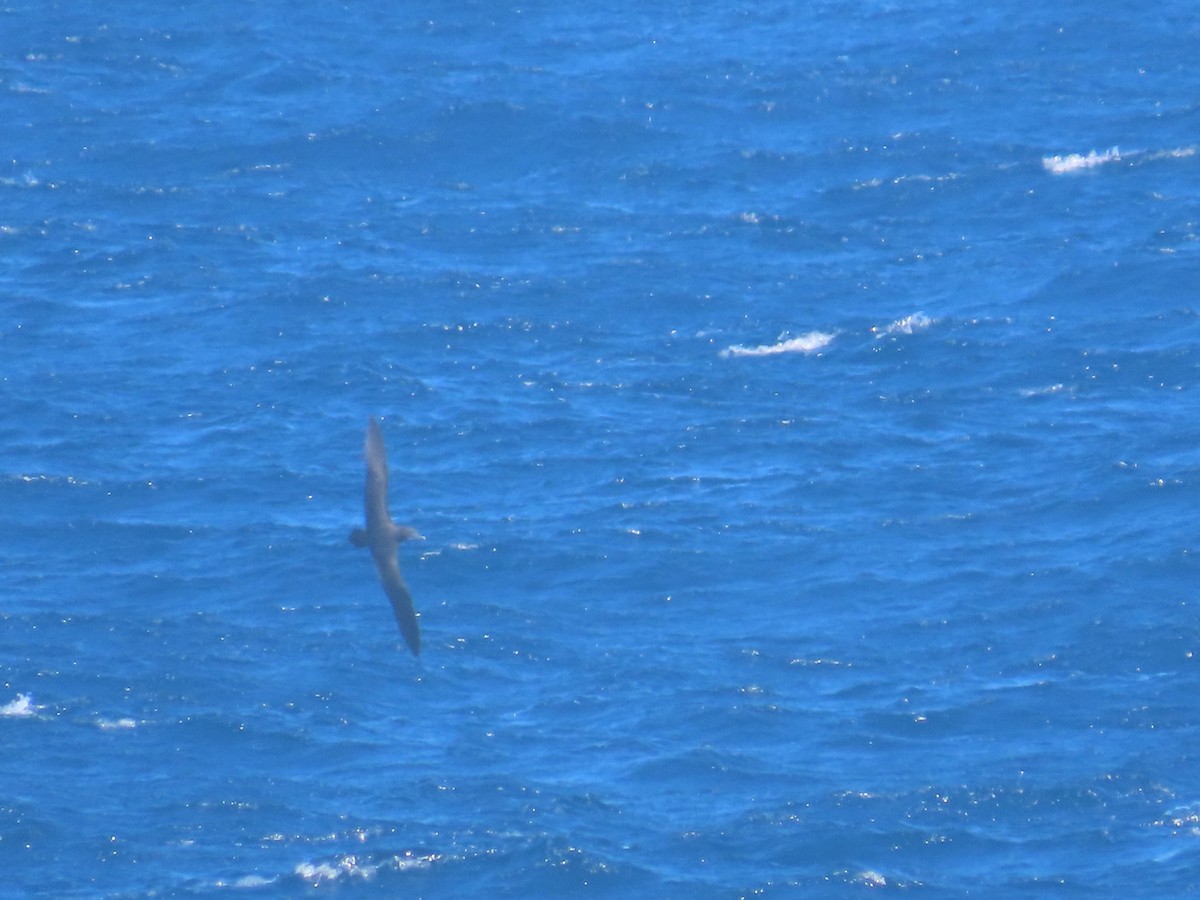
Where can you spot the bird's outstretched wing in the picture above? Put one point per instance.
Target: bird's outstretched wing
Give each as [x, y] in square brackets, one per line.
[397, 592]
[375, 491]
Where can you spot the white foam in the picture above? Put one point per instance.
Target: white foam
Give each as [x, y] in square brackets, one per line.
[1178, 153]
[872, 879]
[114, 724]
[249, 881]
[408, 861]
[22, 707]
[1075, 162]
[314, 874]
[351, 866]
[1042, 391]
[812, 342]
[916, 322]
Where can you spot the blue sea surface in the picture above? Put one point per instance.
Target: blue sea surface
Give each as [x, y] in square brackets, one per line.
[800, 402]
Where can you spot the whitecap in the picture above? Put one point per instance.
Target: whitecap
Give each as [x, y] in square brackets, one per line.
[315, 873]
[916, 322]
[21, 707]
[812, 342]
[1076, 162]
[355, 867]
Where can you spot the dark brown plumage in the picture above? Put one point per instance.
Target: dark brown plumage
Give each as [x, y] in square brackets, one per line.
[383, 537]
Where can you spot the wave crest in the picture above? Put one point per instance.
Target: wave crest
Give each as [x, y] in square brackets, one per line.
[1076, 162]
[21, 707]
[812, 342]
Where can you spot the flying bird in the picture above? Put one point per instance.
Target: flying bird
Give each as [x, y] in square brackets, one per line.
[383, 537]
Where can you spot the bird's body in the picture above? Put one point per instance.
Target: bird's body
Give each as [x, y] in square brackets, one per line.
[383, 536]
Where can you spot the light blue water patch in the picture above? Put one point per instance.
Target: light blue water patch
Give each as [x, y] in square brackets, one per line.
[799, 406]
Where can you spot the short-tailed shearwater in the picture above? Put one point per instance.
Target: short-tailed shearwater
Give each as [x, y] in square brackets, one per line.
[383, 537]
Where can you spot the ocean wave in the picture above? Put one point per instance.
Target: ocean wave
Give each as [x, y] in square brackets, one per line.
[115, 724]
[355, 867]
[1177, 153]
[916, 322]
[315, 873]
[21, 707]
[812, 342]
[1077, 162]
[903, 179]
[1056, 388]
[249, 881]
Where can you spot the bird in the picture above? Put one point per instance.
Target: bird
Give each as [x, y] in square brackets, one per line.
[383, 537]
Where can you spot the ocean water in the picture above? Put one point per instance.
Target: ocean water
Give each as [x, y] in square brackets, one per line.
[800, 403]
